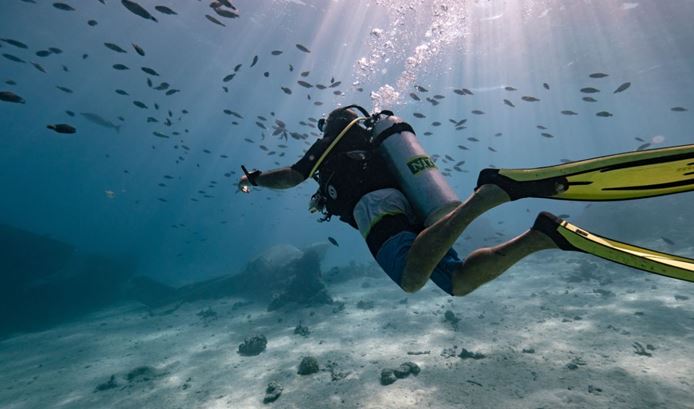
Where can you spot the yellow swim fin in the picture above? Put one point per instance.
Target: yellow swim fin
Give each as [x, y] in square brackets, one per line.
[570, 237]
[624, 176]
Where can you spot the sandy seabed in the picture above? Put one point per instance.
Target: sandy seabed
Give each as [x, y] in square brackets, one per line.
[549, 341]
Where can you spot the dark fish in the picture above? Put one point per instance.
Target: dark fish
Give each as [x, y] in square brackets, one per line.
[437, 96]
[459, 91]
[547, 135]
[236, 114]
[509, 103]
[478, 112]
[568, 112]
[121, 92]
[421, 88]
[226, 13]
[140, 104]
[150, 71]
[162, 87]
[598, 75]
[70, 113]
[286, 90]
[473, 139]
[276, 52]
[120, 67]
[8, 96]
[644, 146]
[43, 53]
[214, 20]
[335, 84]
[678, 109]
[668, 241]
[151, 120]
[510, 89]
[13, 58]
[589, 99]
[65, 69]
[238, 67]
[15, 43]
[92, 23]
[98, 120]
[467, 91]
[530, 99]
[419, 115]
[321, 86]
[63, 6]
[639, 139]
[137, 10]
[436, 123]
[304, 84]
[303, 48]
[228, 78]
[432, 101]
[414, 96]
[546, 85]
[38, 67]
[10, 82]
[622, 87]
[564, 216]
[138, 49]
[149, 82]
[604, 114]
[55, 50]
[541, 127]
[491, 149]
[266, 74]
[115, 48]
[255, 61]
[160, 135]
[589, 90]
[165, 10]
[64, 89]
[62, 128]
[172, 91]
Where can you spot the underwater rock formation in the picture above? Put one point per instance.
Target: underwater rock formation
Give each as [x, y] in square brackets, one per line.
[308, 366]
[44, 282]
[273, 392]
[294, 278]
[252, 346]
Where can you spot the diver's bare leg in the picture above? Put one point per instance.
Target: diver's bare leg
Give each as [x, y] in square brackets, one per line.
[486, 264]
[433, 242]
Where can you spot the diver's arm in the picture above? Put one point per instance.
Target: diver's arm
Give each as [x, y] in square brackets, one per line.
[282, 178]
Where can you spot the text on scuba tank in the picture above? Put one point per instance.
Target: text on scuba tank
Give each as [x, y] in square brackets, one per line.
[420, 163]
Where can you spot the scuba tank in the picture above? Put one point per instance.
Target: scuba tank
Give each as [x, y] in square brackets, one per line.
[419, 178]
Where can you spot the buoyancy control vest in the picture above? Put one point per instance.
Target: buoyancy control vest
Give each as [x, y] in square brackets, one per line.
[353, 168]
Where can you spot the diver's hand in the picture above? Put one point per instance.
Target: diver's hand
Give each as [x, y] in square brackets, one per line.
[244, 184]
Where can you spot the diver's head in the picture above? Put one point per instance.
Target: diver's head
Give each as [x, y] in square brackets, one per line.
[336, 121]
[339, 119]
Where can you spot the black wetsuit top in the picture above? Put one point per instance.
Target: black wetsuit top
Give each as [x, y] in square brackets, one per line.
[352, 169]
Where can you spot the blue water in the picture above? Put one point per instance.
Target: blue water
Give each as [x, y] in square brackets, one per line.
[55, 184]
[168, 208]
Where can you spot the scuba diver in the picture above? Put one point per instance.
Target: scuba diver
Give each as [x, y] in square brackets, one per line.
[374, 175]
